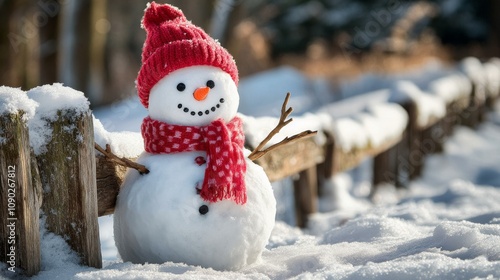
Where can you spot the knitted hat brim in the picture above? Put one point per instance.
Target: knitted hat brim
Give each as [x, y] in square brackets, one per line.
[181, 54]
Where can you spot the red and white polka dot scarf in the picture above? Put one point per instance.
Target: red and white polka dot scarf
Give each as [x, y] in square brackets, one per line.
[223, 143]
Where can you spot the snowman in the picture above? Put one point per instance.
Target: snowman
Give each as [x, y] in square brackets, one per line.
[203, 202]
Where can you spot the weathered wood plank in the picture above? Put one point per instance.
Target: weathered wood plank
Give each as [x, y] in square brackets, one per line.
[109, 179]
[68, 176]
[291, 159]
[19, 216]
[345, 160]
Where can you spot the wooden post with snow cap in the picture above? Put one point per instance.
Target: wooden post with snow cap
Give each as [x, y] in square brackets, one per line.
[19, 219]
[66, 161]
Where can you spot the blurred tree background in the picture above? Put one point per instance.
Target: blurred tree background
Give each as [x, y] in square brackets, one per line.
[95, 45]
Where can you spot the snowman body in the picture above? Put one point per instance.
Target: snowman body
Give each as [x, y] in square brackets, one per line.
[161, 217]
[158, 216]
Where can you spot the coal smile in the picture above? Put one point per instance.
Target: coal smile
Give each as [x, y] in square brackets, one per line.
[200, 113]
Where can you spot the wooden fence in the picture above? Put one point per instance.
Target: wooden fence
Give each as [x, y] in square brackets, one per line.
[79, 184]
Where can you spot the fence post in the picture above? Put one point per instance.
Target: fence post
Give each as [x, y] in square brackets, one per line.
[325, 168]
[414, 157]
[19, 216]
[306, 195]
[385, 168]
[68, 174]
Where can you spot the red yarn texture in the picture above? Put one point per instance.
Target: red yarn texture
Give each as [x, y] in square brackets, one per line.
[172, 43]
[223, 143]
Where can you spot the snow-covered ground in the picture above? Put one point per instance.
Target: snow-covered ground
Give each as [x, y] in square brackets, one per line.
[446, 225]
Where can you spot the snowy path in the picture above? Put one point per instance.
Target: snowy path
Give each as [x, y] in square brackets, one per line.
[446, 226]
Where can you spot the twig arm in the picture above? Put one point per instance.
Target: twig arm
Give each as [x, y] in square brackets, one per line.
[121, 161]
[288, 140]
[259, 151]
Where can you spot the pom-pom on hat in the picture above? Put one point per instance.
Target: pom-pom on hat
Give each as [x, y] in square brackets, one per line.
[173, 42]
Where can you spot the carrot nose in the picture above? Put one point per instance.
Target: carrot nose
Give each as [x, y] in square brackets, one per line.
[201, 93]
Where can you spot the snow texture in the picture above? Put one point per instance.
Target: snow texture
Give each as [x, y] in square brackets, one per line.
[492, 72]
[451, 87]
[13, 100]
[428, 106]
[472, 67]
[366, 120]
[123, 144]
[125, 115]
[52, 100]
[446, 225]
[256, 129]
[155, 222]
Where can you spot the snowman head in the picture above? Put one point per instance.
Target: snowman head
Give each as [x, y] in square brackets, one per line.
[184, 71]
[195, 95]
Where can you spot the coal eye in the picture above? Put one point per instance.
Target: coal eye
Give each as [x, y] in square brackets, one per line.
[210, 84]
[181, 87]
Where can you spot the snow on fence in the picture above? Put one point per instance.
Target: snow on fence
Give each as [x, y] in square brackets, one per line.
[49, 165]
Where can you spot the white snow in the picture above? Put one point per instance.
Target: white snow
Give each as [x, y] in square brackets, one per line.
[158, 222]
[52, 99]
[446, 225]
[451, 87]
[474, 70]
[13, 100]
[383, 122]
[365, 120]
[123, 144]
[492, 72]
[372, 127]
[428, 106]
[256, 129]
[125, 115]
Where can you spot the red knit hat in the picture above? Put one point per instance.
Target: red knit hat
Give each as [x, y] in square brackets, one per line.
[173, 42]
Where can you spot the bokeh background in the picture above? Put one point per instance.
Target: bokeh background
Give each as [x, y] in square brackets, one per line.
[95, 45]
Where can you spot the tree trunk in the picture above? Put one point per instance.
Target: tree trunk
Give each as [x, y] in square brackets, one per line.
[74, 48]
[49, 43]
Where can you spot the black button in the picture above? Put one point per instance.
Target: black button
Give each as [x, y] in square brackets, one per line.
[203, 209]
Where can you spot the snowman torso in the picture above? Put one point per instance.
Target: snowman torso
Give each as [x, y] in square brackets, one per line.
[160, 217]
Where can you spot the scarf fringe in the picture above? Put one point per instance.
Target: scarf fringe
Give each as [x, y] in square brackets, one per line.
[214, 194]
